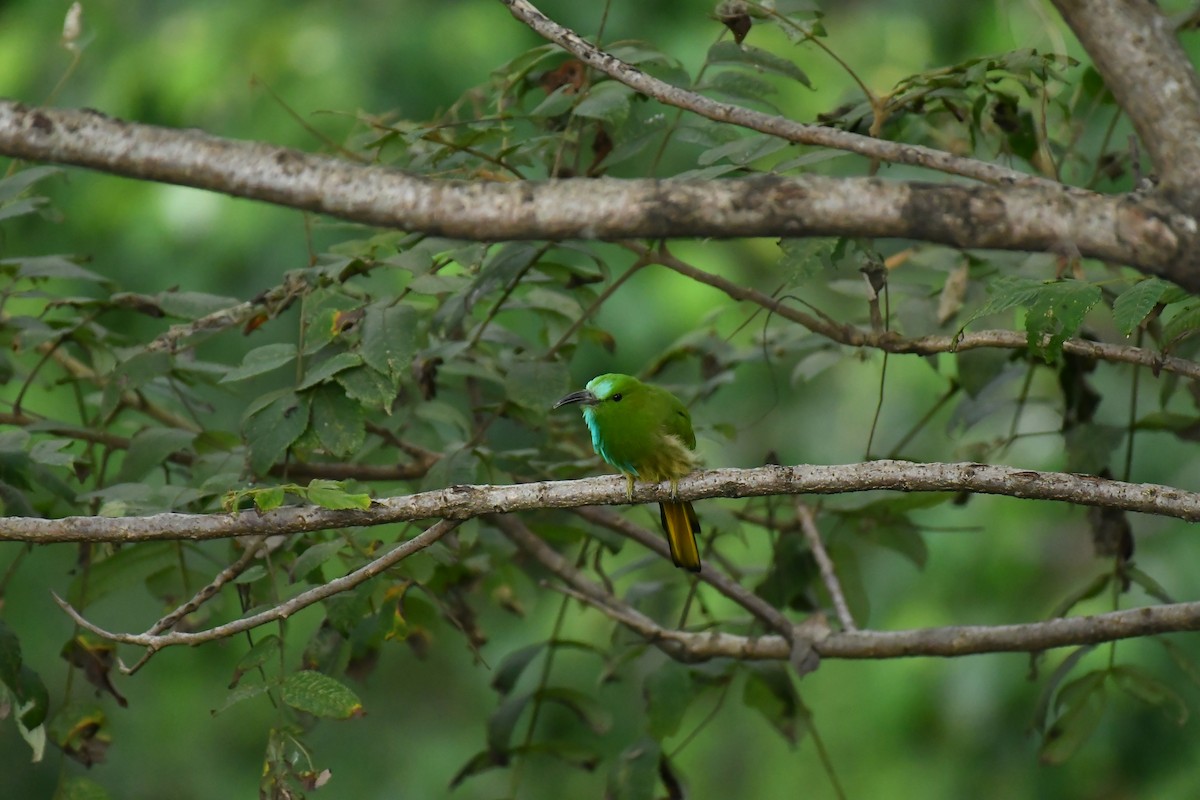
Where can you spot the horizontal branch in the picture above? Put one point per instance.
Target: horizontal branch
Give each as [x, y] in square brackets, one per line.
[1141, 232]
[893, 342]
[464, 502]
[958, 640]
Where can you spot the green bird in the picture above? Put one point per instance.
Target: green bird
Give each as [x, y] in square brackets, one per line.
[645, 433]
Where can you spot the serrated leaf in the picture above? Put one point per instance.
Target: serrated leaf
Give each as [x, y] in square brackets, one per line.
[325, 370]
[727, 52]
[338, 422]
[1132, 305]
[320, 695]
[272, 430]
[262, 359]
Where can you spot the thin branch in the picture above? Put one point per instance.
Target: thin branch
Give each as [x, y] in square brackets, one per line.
[465, 501]
[279, 612]
[790, 130]
[1139, 231]
[812, 535]
[892, 342]
[947, 642]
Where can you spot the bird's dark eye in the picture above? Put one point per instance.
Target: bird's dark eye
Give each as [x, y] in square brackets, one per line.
[616, 397]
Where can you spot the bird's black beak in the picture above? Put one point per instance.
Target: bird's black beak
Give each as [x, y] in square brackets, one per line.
[584, 396]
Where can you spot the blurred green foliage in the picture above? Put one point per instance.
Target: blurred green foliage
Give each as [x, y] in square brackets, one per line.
[418, 85]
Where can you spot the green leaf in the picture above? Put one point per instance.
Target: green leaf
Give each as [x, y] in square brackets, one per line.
[193, 305]
[503, 721]
[1142, 686]
[328, 368]
[370, 387]
[669, 692]
[338, 421]
[607, 101]
[331, 494]
[16, 183]
[1182, 660]
[1054, 310]
[510, 668]
[1182, 324]
[320, 695]
[1135, 303]
[739, 86]
[40, 267]
[391, 336]
[727, 52]
[27, 688]
[769, 691]
[264, 649]
[272, 430]
[149, 450]
[587, 708]
[262, 359]
[635, 773]
[316, 555]
[77, 787]
[124, 569]
[269, 499]
[1084, 704]
[536, 385]
[239, 694]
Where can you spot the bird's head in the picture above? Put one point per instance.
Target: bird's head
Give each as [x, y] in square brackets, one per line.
[605, 391]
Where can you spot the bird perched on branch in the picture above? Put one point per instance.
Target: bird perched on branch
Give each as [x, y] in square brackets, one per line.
[645, 433]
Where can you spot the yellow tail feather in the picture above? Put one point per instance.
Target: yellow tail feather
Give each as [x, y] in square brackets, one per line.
[680, 523]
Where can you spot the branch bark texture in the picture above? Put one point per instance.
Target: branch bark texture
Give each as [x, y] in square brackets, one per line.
[464, 502]
[1139, 232]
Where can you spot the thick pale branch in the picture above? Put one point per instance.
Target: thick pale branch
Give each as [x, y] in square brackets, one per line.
[1134, 47]
[464, 502]
[1031, 218]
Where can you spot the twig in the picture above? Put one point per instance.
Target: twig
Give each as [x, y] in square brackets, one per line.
[790, 130]
[828, 576]
[279, 612]
[891, 342]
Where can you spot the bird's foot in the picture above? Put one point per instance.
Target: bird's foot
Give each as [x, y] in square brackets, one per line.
[629, 487]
